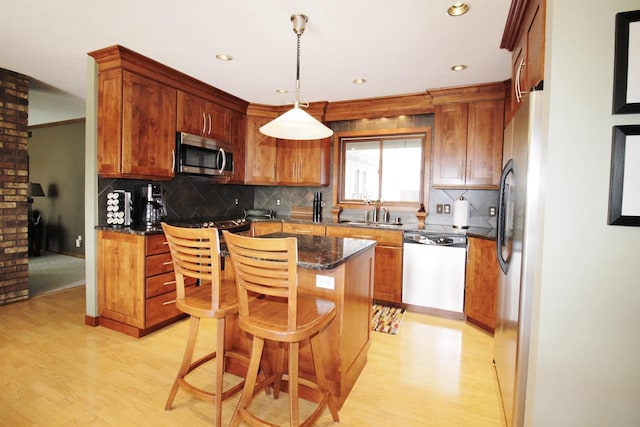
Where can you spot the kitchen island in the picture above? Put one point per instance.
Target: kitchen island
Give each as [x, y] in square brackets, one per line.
[341, 270]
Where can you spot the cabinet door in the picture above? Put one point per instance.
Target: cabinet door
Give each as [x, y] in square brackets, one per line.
[121, 277]
[481, 282]
[287, 162]
[148, 128]
[218, 118]
[314, 159]
[237, 127]
[484, 143]
[535, 48]
[260, 161]
[388, 274]
[191, 114]
[450, 144]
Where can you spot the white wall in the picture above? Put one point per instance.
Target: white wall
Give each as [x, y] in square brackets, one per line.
[585, 366]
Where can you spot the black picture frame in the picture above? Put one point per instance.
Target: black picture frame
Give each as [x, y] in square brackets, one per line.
[621, 75]
[618, 174]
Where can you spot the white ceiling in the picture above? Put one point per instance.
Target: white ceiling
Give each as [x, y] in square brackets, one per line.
[399, 46]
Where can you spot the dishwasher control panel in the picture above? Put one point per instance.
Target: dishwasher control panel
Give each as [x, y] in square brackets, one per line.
[437, 239]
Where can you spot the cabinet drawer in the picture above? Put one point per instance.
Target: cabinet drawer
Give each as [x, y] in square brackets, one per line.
[382, 237]
[311, 229]
[156, 244]
[161, 308]
[158, 264]
[164, 283]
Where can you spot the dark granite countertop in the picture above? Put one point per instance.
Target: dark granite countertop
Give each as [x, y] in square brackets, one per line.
[483, 233]
[320, 252]
[131, 230]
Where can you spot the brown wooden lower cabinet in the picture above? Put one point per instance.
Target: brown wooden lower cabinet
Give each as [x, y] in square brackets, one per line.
[388, 263]
[136, 283]
[481, 283]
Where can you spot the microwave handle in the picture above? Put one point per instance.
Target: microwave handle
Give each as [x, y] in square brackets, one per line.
[224, 159]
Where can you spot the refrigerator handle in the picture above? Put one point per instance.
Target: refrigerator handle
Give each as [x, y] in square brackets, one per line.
[502, 215]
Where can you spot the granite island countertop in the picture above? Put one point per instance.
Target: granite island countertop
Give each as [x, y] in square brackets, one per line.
[321, 252]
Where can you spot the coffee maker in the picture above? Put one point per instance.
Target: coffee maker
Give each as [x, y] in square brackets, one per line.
[149, 205]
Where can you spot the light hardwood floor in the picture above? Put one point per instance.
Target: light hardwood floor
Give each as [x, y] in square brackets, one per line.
[55, 371]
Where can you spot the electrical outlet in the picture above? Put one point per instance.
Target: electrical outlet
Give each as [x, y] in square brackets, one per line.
[492, 211]
[447, 209]
[236, 201]
[439, 209]
[277, 202]
[79, 241]
[326, 282]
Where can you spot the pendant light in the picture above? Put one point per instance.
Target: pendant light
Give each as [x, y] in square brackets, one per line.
[297, 123]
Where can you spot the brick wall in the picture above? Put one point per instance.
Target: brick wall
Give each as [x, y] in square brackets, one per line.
[14, 177]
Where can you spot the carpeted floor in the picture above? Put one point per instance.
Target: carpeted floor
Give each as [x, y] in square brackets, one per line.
[52, 272]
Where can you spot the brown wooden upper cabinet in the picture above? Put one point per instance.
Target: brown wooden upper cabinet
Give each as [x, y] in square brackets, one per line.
[260, 160]
[303, 162]
[136, 126]
[199, 116]
[524, 37]
[467, 150]
[271, 161]
[141, 105]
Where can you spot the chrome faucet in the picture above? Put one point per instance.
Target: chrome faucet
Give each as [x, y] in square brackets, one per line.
[374, 212]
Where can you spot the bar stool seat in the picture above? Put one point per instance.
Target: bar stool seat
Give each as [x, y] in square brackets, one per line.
[268, 267]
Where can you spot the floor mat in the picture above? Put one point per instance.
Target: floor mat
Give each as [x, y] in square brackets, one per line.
[386, 319]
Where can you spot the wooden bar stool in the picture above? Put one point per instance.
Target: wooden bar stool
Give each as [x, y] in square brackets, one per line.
[196, 254]
[268, 267]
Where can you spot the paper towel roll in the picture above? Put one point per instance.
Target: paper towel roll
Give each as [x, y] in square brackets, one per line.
[461, 213]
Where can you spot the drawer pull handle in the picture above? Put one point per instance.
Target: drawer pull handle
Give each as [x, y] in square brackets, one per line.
[167, 263]
[169, 302]
[169, 283]
[165, 243]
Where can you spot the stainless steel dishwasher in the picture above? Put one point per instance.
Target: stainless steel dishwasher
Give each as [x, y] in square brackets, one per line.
[433, 270]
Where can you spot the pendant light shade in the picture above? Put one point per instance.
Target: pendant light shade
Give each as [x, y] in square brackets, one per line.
[296, 123]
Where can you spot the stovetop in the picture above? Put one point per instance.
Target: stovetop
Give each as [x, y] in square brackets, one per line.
[234, 223]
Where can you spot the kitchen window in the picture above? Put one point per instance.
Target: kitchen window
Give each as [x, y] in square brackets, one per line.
[387, 167]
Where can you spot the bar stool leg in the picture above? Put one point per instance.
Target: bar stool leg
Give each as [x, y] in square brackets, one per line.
[250, 382]
[318, 355]
[194, 323]
[220, 359]
[294, 413]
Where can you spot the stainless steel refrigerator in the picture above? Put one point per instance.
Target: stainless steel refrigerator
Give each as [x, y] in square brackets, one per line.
[518, 242]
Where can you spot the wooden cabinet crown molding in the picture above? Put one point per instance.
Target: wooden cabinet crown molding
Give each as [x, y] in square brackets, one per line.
[114, 57]
[516, 20]
[482, 92]
[371, 108]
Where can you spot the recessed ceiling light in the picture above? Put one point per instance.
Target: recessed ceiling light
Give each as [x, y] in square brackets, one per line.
[224, 57]
[459, 67]
[360, 81]
[458, 9]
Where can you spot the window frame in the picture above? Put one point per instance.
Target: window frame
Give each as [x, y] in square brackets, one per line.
[338, 166]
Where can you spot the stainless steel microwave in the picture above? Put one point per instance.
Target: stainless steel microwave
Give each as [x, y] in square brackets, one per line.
[198, 155]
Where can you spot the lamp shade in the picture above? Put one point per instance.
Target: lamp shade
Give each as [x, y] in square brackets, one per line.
[35, 190]
[296, 124]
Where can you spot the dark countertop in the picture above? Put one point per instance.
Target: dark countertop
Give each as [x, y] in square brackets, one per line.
[131, 230]
[320, 252]
[482, 233]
